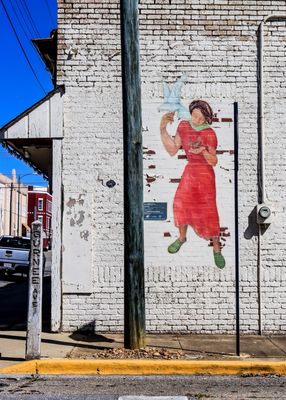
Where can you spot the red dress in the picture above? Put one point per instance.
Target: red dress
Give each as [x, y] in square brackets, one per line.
[195, 199]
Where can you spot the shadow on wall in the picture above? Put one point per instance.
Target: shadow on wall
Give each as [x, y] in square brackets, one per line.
[252, 229]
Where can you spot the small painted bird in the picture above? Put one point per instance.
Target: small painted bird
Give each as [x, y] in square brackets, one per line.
[172, 99]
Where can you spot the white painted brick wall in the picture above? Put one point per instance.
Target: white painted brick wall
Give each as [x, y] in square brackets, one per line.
[214, 42]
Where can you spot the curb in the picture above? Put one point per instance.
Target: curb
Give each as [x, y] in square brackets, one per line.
[145, 367]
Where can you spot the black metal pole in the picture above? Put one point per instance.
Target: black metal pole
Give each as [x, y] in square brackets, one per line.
[18, 207]
[134, 296]
[10, 211]
[237, 278]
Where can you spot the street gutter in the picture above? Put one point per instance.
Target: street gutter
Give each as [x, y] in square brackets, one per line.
[147, 367]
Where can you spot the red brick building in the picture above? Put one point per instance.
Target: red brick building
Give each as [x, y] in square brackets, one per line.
[40, 208]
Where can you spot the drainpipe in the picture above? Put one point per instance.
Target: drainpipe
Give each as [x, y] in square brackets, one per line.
[261, 168]
[261, 101]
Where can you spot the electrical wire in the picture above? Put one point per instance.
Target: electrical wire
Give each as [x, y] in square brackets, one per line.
[50, 12]
[16, 187]
[19, 21]
[22, 48]
[21, 25]
[24, 19]
[30, 18]
[12, 212]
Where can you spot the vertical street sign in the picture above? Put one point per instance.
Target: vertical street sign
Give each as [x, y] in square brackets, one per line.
[34, 322]
[134, 296]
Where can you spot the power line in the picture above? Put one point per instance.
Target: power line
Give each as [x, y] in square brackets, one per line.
[23, 18]
[19, 21]
[18, 172]
[13, 212]
[22, 48]
[50, 12]
[23, 29]
[27, 12]
[15, 187]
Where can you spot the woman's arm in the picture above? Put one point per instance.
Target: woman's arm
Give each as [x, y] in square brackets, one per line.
[171, 145]
[210, 156]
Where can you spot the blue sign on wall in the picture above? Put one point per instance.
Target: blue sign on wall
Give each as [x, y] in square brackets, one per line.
[155, 211]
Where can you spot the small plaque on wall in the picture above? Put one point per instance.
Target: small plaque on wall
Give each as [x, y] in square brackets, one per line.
[155, 211]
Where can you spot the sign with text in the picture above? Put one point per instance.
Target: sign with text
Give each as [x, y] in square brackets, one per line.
[155, 211]
[34, 323]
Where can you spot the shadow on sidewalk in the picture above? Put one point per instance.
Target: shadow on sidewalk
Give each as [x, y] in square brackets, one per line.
[56, 342]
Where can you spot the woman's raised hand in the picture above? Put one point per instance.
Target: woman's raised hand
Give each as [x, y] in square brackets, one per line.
[167, 118]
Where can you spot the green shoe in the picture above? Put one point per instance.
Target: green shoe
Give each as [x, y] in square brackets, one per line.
[219, 260]
[175, 247]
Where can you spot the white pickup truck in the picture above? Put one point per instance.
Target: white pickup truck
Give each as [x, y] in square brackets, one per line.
[14, 254]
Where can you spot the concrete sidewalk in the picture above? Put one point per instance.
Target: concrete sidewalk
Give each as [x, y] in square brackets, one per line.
[195, 347]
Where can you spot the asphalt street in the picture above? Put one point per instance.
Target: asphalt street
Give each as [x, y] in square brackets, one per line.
[112, 387]
[13, 299]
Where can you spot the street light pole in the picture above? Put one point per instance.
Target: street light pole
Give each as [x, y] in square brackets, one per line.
[19, 198]
[11, 204]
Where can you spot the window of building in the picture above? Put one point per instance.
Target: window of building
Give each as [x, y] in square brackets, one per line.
[40, 204]
[49, 206]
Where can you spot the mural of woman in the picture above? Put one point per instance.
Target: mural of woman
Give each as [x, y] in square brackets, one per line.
[195, 198]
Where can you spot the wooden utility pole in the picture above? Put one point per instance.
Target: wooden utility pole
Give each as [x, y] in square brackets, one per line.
[134, 295]
[34, 323]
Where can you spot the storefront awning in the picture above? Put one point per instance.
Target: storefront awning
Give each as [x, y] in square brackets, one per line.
[29, 136]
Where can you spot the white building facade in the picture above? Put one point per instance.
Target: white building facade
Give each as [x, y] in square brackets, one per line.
[13, 206]
[215, 44]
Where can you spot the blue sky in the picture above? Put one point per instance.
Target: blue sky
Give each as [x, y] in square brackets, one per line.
[19, 87]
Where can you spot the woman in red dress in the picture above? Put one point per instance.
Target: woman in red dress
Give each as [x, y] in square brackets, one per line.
[195, 199]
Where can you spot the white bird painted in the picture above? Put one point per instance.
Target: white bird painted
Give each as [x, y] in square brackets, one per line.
[172, 99]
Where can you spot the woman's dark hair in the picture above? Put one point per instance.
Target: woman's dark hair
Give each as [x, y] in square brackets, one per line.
[205, 109]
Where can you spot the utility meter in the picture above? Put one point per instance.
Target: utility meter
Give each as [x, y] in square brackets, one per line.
[264, 214]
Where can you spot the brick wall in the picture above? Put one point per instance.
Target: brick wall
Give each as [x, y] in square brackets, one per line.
[214, 43]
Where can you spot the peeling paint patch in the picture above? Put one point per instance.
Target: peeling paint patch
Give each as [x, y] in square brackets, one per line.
[84, 234]
[226, 234]
[81, 218]
[231, 152]
[76, 232]
[71, 203]
[149, 152]
[225, 169]
[150, 179]
[81, 199]
[111, 56]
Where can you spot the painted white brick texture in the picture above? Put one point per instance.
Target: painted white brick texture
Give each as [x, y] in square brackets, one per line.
[214, 43]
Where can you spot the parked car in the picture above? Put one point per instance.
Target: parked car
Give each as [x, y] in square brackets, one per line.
[14, 254]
